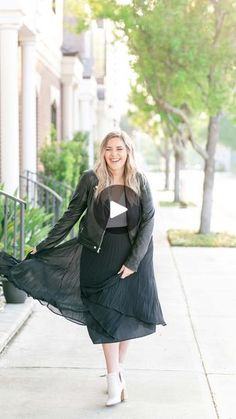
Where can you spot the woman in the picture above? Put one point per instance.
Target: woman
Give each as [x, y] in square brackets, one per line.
[103, 279]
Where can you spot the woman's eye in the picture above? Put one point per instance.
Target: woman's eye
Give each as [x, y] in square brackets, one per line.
[118, 149]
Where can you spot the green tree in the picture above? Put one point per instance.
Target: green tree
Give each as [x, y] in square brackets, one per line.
[168, 134]
[184, 57]
[143, 115]
[80, 10]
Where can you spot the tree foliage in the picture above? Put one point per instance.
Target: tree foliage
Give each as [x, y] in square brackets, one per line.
[80, 10]
[183, 51]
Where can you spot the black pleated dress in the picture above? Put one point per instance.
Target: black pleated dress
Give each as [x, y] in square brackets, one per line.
[85, 287]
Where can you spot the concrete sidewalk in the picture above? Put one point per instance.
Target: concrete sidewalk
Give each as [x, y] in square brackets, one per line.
[12, 318]
[198, 292]
[184, 371]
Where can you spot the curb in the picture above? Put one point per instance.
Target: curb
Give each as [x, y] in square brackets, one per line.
[12, 318]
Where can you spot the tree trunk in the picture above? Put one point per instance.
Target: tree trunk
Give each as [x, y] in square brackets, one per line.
[209, 172]
[177, 177]
[167, 171]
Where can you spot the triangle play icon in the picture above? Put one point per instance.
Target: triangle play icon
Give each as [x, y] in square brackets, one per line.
[116, 209]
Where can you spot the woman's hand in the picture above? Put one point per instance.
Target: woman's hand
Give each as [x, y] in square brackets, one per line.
[33, 251]
[125, 271]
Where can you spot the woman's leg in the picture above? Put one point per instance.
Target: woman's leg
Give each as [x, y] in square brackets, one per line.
[111, 353]
[115, 354]
[123, 347]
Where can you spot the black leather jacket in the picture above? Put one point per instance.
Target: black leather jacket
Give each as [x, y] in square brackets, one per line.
[91, 233]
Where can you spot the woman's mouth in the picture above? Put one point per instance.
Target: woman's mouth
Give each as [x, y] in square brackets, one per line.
[115, 160]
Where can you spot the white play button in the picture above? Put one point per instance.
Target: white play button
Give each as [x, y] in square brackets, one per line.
[114, 201]
[116, 209]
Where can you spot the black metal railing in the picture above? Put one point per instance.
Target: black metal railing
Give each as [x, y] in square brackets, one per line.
[62, 188]
[40, 195]
[10, 209]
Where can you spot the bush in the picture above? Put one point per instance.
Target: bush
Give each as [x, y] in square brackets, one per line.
[65, 161]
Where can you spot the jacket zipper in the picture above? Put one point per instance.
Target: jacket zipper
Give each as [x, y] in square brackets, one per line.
[99, 246]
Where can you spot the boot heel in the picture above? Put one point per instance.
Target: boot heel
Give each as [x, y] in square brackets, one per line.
[122, 395]
[125, 393]
[122, 377]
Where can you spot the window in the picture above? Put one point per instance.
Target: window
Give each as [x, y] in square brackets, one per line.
[54, 114]
[54, 5]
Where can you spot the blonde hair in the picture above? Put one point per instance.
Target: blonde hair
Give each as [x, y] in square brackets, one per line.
[130, 170]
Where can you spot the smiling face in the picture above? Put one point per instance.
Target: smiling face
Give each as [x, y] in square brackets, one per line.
[115, 154]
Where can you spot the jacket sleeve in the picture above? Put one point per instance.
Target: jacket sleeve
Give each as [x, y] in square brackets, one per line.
[73, 213]
[145, 230]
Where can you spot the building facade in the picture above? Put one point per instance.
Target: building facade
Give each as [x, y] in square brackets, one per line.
[50, 76]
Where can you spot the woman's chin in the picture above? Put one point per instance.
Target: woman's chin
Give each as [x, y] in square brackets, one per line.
[116, 166]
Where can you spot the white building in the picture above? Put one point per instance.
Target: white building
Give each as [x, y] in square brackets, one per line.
[101, 88]
[45, 80]
[30, 75]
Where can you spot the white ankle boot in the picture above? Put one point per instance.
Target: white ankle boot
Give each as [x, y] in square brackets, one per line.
[115, 388]
[122, 377]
